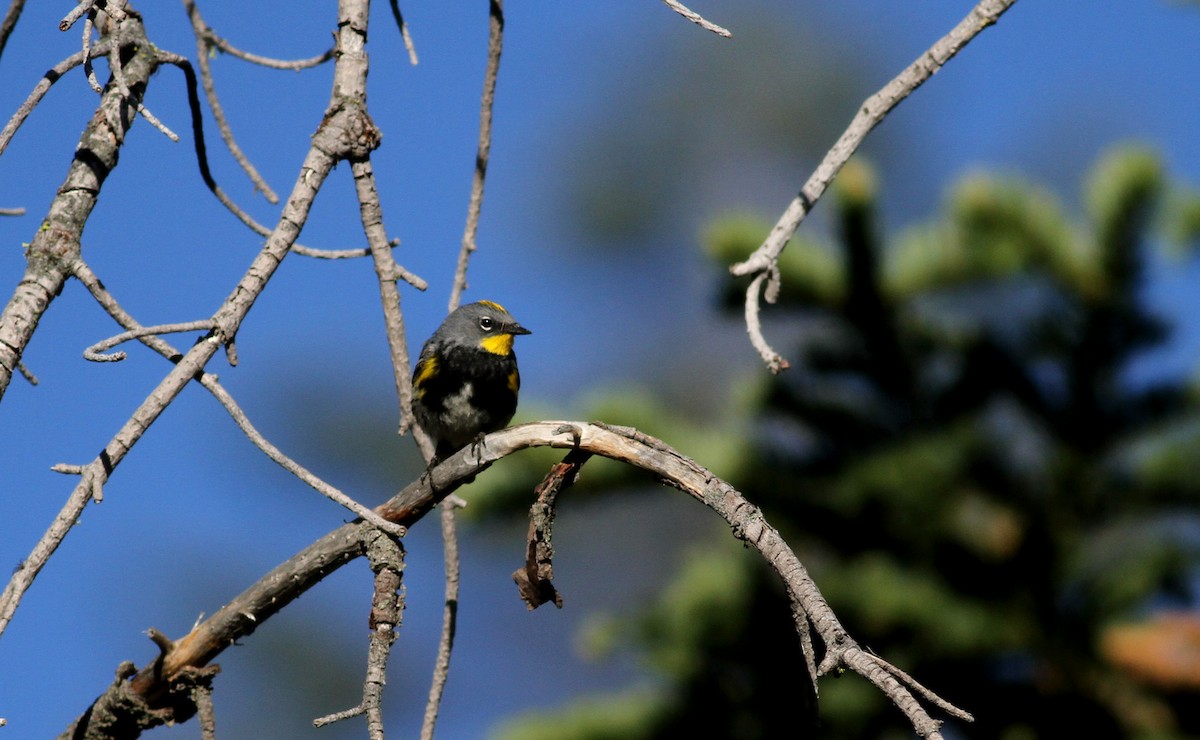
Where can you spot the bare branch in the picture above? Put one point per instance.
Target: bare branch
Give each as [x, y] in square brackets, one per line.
[408, 42]
[495, 46]
[221, 44]
[775, 361]
[42, 87]
[386, 269]
[204, 36]
[88, 71]
[535, 581]
[98, 351]
[27, 374]
[869, 115]
[114, 65]
[441, 664]
[56, 244]
[295, 468]
[387, 561]
[696, 18]
[281, 586]
[83, 8]
[9, 24]
[331, 141]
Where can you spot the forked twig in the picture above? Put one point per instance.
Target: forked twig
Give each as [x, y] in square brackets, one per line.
[869, 115]
[42, 87]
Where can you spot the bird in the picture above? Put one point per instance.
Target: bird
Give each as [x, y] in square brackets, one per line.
[465, 382]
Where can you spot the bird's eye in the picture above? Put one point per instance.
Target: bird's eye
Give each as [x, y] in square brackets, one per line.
[486, 323]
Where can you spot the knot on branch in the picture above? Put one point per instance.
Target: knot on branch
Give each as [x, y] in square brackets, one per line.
[348, 132]
[123, 712]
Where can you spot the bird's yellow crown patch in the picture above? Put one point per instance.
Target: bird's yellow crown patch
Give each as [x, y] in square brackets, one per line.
[493, 304]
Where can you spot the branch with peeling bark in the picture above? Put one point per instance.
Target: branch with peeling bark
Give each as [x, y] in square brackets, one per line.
[764, 262]
[242, 615]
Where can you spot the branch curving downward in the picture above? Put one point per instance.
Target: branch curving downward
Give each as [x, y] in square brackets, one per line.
[874, 109]
[242, 615]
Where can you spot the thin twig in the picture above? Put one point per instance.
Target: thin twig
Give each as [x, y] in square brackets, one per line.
[441, 664]
[42, 87]
[775, 362]
[696, 18]
[27, 374]
[189, 74]
[88, 71]
[869, 115]
[98, 352]
[18, 211]
[288, 64]
[150, 336]
[387, 271]
[204, 37]
[9, 24]
[295, 468]
[408, 42]
[475, 205]
[114, 66]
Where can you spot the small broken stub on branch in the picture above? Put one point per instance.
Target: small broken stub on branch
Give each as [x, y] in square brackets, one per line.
[534, 579]
[536, 590]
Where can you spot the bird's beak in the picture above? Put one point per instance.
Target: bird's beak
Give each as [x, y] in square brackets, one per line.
[515, 328]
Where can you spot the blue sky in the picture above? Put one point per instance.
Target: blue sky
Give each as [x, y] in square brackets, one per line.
[195, 514]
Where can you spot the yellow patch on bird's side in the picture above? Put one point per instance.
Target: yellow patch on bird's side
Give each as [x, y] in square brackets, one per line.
[514, 381]
[493, 304]
[426, 369]
[498, 344]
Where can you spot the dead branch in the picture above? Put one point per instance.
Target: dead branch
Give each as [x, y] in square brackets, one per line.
[483, 151]
[242, 615]
[765, 259]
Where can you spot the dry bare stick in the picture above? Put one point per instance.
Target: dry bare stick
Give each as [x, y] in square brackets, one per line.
[9, 24]
[98, 352]
[150, 337]
[535, 580]
[387, 562]
[388, 272]
[201, 147]
[873, 110]
[696, 18]
[55, 245]
[204, 36]
[475, 205]
[408, 42]
[88, 71]
[287, 64]
[114, 64]
[344, 132]
[83, 8]
[41, 88]
[243, 614]
[441, 671]
[452, 569]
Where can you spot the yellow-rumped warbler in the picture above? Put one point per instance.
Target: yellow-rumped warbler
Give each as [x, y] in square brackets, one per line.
[466, 381]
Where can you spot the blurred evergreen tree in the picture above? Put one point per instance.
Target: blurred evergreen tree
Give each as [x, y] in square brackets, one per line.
[960, 457]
